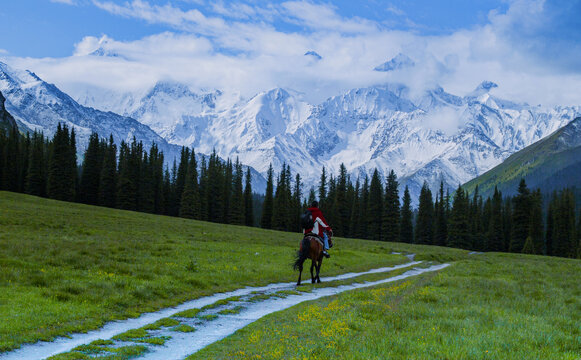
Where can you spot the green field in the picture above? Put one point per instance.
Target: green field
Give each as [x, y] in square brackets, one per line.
[70, 268]
[493, 306]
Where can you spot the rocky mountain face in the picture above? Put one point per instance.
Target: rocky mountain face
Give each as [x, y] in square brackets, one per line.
[6, 120]
[432, 137]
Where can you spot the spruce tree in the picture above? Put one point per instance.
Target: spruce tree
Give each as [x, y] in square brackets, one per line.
[550, 224]
[391, 213]
[521, 215]
[91, 171]
[458, 229]
[11, 161]
[507, 222]
[248, 205]
[36, 175]
[495, 234]
[375, 207]
[237, 208]
[364, 210]
[424, 233]
[267, 206]
[108, 176]
[228, 177]
[204, 190]
[406, 229]
[536, 228]
[341, 222]
[564, 237]
[441, 221]
[323, 187]
[528, 247]
[312, 196]
[180, 180]
[354, 220]
[190, 201]
[297, 207]
[61, 173]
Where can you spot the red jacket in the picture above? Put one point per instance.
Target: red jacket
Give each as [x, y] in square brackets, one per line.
[319, 221]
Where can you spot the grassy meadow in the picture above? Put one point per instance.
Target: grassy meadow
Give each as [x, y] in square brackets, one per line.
[492, 306]
[68, 267]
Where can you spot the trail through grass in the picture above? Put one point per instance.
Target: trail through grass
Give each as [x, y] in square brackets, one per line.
[69, 267]
[492, 306]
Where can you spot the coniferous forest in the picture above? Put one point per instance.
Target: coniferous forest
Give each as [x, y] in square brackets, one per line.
[131, 177]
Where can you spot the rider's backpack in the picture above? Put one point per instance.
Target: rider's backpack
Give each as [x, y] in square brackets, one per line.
[307, 220]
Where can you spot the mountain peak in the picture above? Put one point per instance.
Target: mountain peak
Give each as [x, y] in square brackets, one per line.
[486, 86]
[399, 61]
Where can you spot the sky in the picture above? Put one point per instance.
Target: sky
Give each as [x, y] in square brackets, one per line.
[530, 48]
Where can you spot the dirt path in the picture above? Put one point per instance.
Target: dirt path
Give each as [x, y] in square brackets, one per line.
[220, 315]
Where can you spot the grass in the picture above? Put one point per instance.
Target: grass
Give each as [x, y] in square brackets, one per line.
[190, 313]
[221, 302]
[184, 328]
[71, 267]
[84, 352]
[491, 306]
[208, 317]
[234, 310]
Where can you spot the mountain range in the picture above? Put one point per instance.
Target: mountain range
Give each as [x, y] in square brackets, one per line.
[432, 136]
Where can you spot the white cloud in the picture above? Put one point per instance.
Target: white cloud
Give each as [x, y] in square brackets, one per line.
[241, 50]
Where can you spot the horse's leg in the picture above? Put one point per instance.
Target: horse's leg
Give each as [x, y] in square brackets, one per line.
[319, 263]
[300, 272]
[312, 267]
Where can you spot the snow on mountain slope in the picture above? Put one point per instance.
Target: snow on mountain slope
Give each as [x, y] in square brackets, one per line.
[432, 137]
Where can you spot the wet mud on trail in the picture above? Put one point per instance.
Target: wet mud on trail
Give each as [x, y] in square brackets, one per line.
[175, 333]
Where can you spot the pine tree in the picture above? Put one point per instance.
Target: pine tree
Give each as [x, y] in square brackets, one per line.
[520, 218]
[23, 159]
[564, 237]
[36, 176]
[228, 177]
[108, 176]
[312, 196]
[507, 222]
[495, 235]
[458, 229]
[204, 190]
[550, 224]
[11, 161]
[441, 222]
[406, 229]
[424, 224]
[375, 207]
[536, 229]
[190, 201]
[267, 206]
[237, 208]
[180, 180]
[297, 207]
[323, 187]
[156, 162]
[354, 220]
[127, 186]
[341, 222]
[248, 205]
[364, 210]
[91, 171]
[391, 213]
[61, 173]
[528, 247]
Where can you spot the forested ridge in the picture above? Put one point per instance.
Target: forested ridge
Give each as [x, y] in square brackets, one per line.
[211, 189]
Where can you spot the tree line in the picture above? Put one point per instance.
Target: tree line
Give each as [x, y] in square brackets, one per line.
[129, 178]
[219, 190]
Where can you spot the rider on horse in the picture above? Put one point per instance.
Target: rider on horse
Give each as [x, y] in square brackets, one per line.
[320, 227]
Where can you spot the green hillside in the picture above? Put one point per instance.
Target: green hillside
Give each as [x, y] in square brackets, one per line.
[69, 267]
[552, 163]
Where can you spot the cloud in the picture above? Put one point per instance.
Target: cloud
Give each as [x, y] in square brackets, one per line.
[241, 47]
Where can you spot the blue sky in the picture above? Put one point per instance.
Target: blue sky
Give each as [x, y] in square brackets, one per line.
[531, 48]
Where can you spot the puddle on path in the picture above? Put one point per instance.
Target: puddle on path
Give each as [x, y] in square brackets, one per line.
[239, 312]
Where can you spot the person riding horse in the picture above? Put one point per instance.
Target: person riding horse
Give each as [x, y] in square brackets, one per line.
[320, 227]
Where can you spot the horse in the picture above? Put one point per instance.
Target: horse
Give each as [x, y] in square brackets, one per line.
[311, 248]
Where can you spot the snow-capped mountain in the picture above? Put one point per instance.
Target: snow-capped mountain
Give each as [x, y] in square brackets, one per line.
[436, 136]
[37, 105]
[400, 61]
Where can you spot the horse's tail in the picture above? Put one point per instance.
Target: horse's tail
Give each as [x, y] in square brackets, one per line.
[302, 253]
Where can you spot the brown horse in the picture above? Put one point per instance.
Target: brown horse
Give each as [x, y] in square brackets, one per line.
[311, 248]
